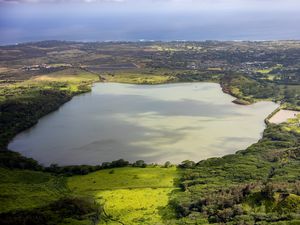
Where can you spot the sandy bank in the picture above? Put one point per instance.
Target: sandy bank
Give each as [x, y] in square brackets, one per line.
[283, 115]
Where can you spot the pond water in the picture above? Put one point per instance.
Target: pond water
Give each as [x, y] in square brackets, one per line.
[158, 123]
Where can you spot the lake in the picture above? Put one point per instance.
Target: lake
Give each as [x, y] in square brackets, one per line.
[156, 123]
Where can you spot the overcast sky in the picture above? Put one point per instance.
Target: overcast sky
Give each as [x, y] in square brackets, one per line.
[251, 4]
[30, 20]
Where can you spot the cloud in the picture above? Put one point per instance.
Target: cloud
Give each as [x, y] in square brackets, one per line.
[153, 1]
[176, 5]
[57, 1]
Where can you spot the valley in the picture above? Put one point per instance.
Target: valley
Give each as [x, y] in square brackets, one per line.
[258, 185]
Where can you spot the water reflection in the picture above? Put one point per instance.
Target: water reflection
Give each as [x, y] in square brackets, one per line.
[156, 123]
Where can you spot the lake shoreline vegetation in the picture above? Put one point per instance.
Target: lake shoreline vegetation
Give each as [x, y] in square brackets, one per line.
[259, 185]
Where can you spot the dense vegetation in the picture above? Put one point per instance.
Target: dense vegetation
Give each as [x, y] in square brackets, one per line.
[254, 186]
[22, 104]
[62, 211]
[259, 185]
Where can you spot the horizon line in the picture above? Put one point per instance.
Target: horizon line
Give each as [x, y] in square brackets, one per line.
[148, 41]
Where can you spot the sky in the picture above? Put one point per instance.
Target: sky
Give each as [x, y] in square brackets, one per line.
[132, 20]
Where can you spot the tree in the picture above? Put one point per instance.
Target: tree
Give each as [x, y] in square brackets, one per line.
[167, 164]
[139, 163]
[119, 163]
[187, 164]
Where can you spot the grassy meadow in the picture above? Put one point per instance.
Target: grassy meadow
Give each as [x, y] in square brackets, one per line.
[66, 80]
[27, 189]
[129, 195]
[139, 78]
[293, 125]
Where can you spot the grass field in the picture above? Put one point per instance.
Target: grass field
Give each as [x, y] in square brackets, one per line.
[268, 70]
[66, 80]
[136, 206]
[68, 75]
[25, 189]
[293, 125]
[130, 195]
[139, 78]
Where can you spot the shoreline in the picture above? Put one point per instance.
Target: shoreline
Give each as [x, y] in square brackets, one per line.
[101, 81]
[283, 115]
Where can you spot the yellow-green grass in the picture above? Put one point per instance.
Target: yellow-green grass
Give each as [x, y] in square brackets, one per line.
[55, 65]
[236, 91]
[24, 189]
[127, 177]
[214, 69]
[271, 77]
[68, 75]
[130, 195]
[136, 206]
[70, 80]
[138, 78]
[165, 48]
[264, 71]
[293, 125]
[268, 70]
[286, 204]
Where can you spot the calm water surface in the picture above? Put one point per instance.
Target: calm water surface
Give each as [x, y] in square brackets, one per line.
[155, 123]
